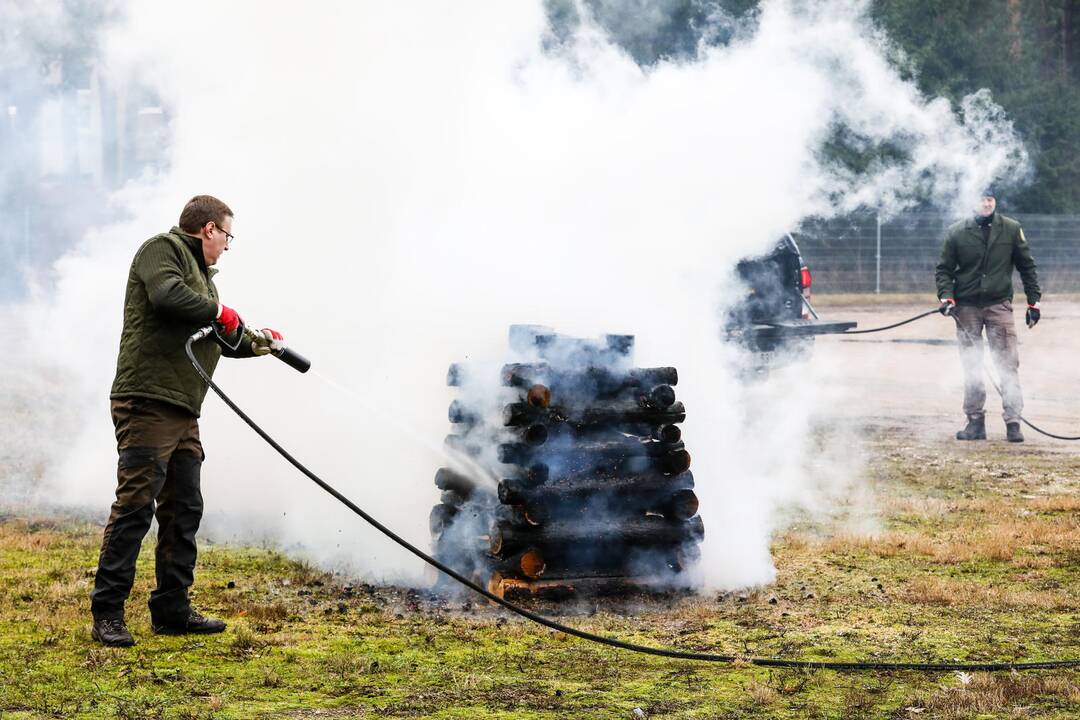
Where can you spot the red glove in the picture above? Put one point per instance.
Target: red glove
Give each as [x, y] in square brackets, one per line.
[228, 319]
[274, 334]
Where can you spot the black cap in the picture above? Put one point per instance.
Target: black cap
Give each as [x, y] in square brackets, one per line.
[989, 191]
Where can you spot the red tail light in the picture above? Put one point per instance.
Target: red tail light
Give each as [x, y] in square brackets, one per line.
[804, 283]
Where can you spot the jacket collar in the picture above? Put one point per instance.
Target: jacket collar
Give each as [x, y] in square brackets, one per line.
[194, 244]
[996, 228]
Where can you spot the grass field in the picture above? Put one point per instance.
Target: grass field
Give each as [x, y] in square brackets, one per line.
[978, 559]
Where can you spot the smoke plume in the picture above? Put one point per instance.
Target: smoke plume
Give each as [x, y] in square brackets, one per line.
[411, 179]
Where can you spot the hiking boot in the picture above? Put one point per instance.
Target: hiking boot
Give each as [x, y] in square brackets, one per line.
[975, 429]
[112, 632]
[1012, 432]
[194, 624]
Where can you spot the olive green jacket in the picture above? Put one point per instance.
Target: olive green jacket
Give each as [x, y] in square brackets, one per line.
[973, 271]
[170, 294]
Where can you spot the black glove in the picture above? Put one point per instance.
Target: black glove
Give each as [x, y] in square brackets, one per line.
[1031, 317]
[947, 306]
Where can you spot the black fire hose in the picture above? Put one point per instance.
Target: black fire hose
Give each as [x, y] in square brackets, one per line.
[894, 325]
[610, 642]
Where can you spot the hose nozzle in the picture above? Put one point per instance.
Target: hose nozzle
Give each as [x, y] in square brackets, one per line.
[202, 333]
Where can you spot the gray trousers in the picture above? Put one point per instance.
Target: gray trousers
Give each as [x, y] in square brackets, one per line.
[1001, 336]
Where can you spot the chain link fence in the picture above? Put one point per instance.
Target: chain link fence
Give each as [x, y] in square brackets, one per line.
[860, 254]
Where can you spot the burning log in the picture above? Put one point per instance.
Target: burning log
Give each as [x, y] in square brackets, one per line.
[622, 562]
[539, 396]
[505, 537]
[528, 563]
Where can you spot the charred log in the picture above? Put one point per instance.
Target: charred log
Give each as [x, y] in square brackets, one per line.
[505, 537]
[452, 498]
[447, 479]
[668, 434]
[660, 397]
[604, 457]
[625, 415]
[535, 435]
[460, 413]
[596, 381]
[441, 517]
[680, 505]
[520, 492]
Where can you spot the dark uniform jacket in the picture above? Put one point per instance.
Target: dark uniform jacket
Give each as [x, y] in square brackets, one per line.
[978, 271]
[170, 294]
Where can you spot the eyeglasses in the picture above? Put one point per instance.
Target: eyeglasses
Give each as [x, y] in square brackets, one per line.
[229, 237]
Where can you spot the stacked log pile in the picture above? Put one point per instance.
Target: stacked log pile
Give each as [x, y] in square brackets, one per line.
[589, 486]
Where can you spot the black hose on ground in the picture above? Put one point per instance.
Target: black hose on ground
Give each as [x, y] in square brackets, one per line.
[591, 637]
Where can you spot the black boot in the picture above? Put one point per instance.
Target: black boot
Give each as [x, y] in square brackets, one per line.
[112, 632]
[194, 623]
[1012, 432]
[975, 429]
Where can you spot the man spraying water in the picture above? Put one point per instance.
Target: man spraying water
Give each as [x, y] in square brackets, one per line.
[156, 400]
[974, 285]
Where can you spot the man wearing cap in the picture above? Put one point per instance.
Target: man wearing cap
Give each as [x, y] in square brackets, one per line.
[975, 286]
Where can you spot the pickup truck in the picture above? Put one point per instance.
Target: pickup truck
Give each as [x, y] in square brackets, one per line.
[774, 320]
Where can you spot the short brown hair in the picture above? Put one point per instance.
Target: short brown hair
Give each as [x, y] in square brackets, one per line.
[202, 209]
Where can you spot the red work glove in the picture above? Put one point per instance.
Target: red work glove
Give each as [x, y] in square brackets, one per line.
[947, 306]
[266, 341]
[228, 319]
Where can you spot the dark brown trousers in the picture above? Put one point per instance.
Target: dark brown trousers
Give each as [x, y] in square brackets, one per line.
[157, 476]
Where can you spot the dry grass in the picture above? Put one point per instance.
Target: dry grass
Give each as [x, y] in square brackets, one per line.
[984, 694]
[760, 694]
[1005, 534]
[949, 592]
[1057, 503]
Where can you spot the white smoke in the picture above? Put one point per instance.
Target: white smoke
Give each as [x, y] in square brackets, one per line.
[410, 179]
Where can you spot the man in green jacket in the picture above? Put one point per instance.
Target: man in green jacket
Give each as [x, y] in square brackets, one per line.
[975, 286]
[156, 399]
